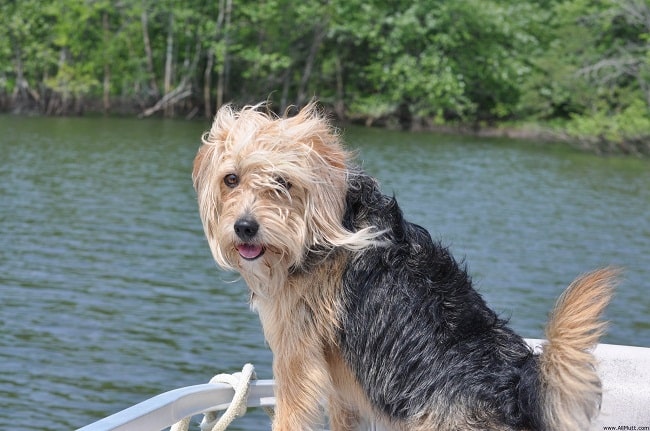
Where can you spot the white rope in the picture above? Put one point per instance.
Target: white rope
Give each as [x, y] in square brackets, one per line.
[240, 382]
[182, 425]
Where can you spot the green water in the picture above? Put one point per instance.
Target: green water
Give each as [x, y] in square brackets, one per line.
[108, 294]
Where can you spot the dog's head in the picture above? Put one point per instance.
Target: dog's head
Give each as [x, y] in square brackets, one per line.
[271, 189]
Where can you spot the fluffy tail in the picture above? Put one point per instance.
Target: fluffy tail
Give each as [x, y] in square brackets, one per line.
[571, 387]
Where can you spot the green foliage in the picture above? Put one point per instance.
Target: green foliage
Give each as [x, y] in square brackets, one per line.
[626, 131]
[583, 62]
[596, 72]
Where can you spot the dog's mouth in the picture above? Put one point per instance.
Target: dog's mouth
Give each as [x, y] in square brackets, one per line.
[250, 251]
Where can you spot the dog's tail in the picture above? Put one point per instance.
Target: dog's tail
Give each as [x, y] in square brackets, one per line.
[571, 388]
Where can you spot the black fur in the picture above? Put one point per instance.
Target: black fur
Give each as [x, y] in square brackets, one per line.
[415, 332]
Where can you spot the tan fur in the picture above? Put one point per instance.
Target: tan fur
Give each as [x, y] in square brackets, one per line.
[568, 368]
[299, 325]
[298, 309]
[347, 404]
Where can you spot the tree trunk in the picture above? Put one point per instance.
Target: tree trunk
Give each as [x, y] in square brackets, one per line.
[207, 85]
[339, 104]
[19, 93]
[286, 84]
[178, 94]
[64, 85]
[207, 73]
[20, 99]
[226, 59]
[107, 66]
[169, 109]
[147, 51]
[222, 83]
[319, 35]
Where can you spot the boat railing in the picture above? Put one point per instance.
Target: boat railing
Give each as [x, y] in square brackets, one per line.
[166, 409]
[624, 371]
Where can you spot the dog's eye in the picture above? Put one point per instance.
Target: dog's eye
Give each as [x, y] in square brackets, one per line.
[283, 183]
[231, 180]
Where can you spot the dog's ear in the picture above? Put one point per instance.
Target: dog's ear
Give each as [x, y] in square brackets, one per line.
[312, 128]
[327, 197]
[326, 188]
[198, 168]
[327, 193]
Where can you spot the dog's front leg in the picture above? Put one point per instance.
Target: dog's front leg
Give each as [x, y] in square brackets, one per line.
[302, 383]
[341, 417]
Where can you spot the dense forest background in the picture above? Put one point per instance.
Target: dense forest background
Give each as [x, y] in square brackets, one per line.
[576, 69]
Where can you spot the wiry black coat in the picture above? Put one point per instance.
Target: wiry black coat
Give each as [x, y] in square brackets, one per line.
[415, 332]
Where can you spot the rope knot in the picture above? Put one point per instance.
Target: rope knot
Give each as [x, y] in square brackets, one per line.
[240, 382]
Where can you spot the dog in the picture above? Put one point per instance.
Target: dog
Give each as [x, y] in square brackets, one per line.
[363, 311]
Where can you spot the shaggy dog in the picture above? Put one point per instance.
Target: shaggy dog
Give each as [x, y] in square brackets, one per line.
[362, 309]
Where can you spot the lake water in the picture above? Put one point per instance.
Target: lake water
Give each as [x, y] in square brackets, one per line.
[108, 293]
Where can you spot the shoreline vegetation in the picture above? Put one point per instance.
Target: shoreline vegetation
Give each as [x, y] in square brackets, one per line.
[571, 71]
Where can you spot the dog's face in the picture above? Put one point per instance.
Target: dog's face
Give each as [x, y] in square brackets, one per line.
[269, 189]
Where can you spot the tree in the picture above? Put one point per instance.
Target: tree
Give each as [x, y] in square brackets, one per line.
[585, 63]
[595, 74]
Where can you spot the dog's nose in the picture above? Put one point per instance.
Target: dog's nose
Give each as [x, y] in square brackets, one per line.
[246, 228]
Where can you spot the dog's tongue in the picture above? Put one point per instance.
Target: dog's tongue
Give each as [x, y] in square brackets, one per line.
[249, 251]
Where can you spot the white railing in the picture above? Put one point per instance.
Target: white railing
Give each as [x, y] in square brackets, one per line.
[166, 409]
[624, 370]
